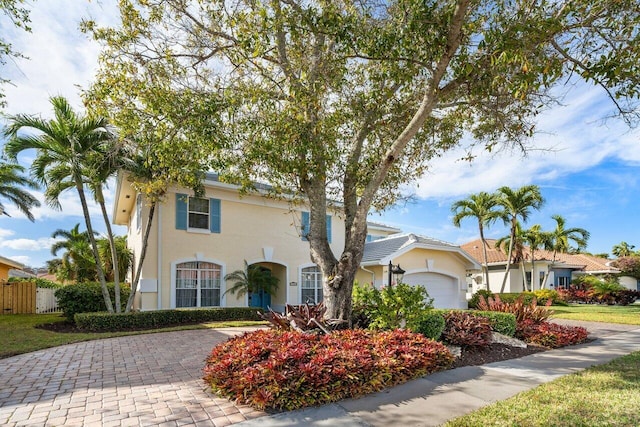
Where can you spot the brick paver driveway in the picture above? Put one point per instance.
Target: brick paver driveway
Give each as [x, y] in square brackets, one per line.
[152, 379]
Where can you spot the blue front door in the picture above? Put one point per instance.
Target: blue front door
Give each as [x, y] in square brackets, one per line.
[260, 299]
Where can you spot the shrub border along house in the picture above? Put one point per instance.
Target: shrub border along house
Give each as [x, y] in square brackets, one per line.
[103, 322]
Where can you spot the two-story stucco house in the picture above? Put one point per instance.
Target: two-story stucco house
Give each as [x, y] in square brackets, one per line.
[195, 242]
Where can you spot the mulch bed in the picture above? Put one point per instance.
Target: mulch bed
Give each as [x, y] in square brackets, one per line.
[494, 353]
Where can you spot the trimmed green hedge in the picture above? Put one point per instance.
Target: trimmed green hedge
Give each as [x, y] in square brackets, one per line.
[87, 298]
[503, 323]
[103, 322]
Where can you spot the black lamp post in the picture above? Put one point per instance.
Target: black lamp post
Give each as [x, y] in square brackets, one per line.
[395, 270]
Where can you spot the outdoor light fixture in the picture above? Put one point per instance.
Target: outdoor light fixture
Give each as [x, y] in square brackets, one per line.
[397, 271]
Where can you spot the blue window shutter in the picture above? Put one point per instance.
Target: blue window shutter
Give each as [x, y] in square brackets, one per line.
[181, 211]
[214, 215]
[329, 228]
[305, 226]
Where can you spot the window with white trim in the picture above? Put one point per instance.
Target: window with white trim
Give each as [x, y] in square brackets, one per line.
[311, 286]
[198, 284]
[198, 213]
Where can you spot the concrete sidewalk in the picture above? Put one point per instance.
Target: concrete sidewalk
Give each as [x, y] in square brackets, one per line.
[436, 398]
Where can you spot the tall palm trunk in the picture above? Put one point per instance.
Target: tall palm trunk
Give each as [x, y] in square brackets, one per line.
[485, 265]
[112, 245]
[546, 275]
[94, 245]
[143, 254]
[511, 241]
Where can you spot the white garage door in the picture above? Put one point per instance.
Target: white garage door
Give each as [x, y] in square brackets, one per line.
[443, 289]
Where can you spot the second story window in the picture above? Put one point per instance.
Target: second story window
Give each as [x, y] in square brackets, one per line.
[198, 213]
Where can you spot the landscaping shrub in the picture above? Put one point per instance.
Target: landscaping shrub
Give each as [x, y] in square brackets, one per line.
[473, 302]
[626, 297]
[102, 322]
[431, 324]
[550, 334]
[279, 370]
[40, 283]
[543, 295]
[503, 323]
[87, 298]
[466, 330]
[391, 307]
[520, 308]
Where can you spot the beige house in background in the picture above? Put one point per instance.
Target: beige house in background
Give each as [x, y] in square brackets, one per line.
[560, 273]
[194, 243]
[439, 266]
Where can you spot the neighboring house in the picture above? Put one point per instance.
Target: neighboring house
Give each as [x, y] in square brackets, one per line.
[439, 266]
[195, 242]
[7, 264]
[560, 273]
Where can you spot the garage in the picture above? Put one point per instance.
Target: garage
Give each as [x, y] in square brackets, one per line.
[443, 289]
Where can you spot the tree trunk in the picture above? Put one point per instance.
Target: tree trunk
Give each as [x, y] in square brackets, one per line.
[524, 275]
[94, 245]
[485, 265]
[511, 241]
[143, 254]
[114, 255]
[533, 270]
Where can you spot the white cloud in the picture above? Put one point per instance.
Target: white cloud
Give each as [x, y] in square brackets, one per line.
[5, 233]
[571, 139]
[59, 56]
[40, 244]
[22, 259]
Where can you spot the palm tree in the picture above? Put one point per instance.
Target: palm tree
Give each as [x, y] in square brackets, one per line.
[516, 243]
[535, 238]
[64, 147]
[10, 183]
[123, 256]
[77, 263]
[480, 206]
[622, 249]
[517, 205]
[559, 238]
[252, 279]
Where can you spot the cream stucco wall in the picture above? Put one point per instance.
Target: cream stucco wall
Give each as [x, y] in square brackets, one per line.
[253, 228]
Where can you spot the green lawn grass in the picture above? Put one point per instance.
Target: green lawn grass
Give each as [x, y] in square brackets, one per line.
[605, 395]
[18, 332]
[629, 315]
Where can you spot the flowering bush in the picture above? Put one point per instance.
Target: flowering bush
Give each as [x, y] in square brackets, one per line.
[550, 334]
[279, 370]
[466, 330]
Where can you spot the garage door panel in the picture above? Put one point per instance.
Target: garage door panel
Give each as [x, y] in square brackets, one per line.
[442, 289]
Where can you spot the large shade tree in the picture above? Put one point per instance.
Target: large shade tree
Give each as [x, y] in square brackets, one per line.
[348, 100]
[482, 208]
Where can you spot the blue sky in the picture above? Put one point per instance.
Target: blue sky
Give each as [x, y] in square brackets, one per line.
[587, 168]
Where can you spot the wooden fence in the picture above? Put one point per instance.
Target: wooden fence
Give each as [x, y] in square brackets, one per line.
[18, 298]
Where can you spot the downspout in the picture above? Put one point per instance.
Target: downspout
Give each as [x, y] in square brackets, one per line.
[373, 276]
[159, 246]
